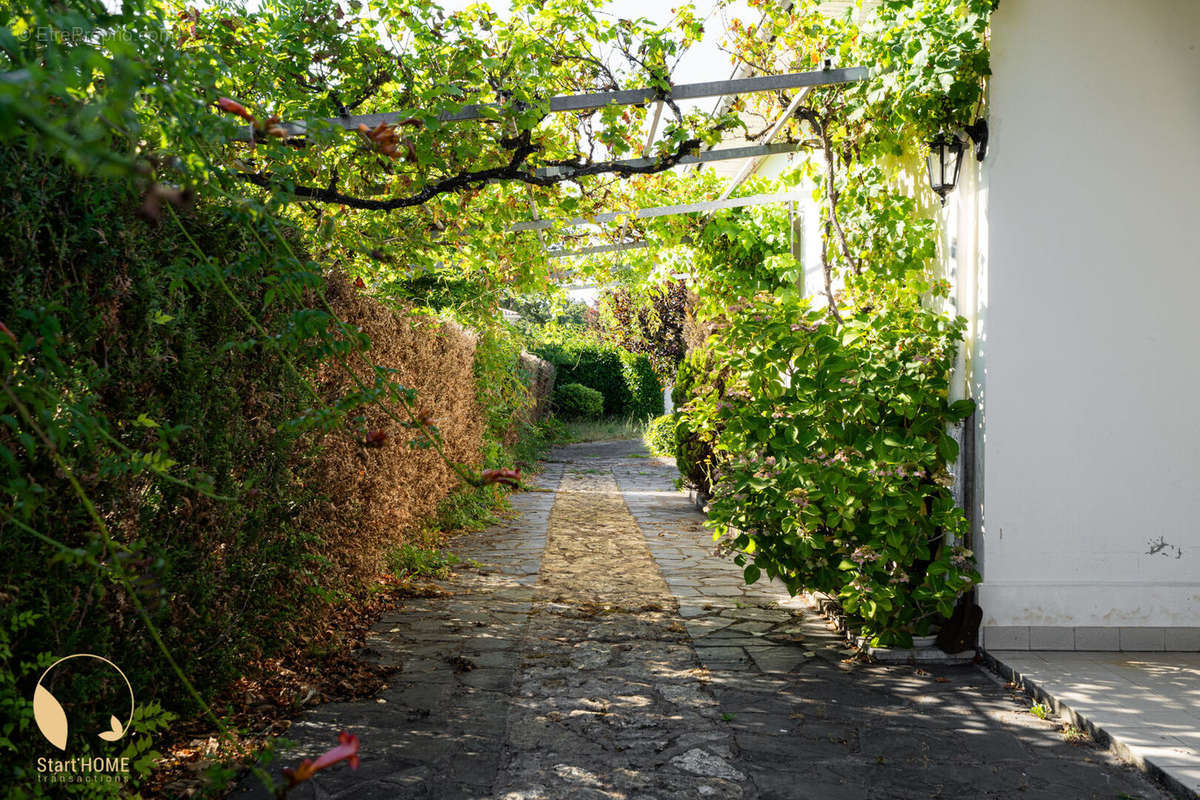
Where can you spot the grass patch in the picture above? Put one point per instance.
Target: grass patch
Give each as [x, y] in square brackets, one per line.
[412, 561]
[470, 509]
[1073, 734]
[602, 430]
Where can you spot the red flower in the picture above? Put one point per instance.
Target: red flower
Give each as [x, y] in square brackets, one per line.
[347, 750]
[234, 107]
[359, 283]
[508, 477]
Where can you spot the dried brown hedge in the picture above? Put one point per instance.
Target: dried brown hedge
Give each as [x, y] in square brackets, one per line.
[374, 497]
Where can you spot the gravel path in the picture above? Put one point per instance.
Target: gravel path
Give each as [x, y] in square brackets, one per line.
[603, 651]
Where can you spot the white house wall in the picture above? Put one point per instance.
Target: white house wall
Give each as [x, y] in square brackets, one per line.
[1091, 494]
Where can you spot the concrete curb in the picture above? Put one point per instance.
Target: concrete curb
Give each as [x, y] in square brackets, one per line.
[1097, 732]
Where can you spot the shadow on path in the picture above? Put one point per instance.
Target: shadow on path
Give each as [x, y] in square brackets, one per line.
[603, 651]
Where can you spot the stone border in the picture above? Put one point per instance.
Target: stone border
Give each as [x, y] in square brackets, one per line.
[1123, 751]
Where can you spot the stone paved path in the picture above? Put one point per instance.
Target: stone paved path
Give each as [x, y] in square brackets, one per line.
[603, 651]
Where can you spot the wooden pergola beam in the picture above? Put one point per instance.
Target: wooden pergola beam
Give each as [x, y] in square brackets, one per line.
[594, 100]
[702, 157]
[600, 248]
[660, 211]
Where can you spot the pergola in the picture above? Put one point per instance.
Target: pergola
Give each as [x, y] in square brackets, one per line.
[751, 154]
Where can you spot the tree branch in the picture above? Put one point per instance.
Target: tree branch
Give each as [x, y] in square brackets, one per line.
[827, 269]
[831, 188]
[514, 170]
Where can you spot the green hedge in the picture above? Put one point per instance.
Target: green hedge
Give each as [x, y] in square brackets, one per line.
[645, 389]
[627, 381]
[576, 401]
[660, 435]
[125, 348]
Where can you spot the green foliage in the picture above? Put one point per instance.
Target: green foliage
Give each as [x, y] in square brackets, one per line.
[534, 439]
[593, 364]
[538, 311]
[645, 390]
[625, 380]
[133, 93]
[576, 401]
[825, 439]
[929, 60]
[833, 477]
[660, 435]
[159, 397]
[695, 433]
[824, 432]
[502, 391]
[409, 560]
[471, 508]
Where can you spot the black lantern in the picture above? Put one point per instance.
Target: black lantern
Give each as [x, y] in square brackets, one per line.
[945, 155]
[943, 161]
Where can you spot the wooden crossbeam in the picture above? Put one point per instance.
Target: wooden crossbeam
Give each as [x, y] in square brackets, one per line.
[593, 100]
[661, 211]
[600, 248]
[703, 157]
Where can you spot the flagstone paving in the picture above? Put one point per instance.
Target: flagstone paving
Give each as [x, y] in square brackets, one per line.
[602, 650]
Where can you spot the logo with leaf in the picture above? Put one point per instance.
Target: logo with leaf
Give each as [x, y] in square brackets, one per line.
[51, 718]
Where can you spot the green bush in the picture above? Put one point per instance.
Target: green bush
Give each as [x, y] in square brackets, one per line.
[576, 401]
[626, 380]
[838, 480]
[695, 434]
[502, 392]
[158, 393]
[594, 365]
[660, 435]
[645, 389]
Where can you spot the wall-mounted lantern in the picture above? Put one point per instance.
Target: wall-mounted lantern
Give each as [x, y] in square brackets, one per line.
[944, 160]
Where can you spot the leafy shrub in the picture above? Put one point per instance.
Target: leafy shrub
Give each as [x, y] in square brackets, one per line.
[160, 395]
[249, 511]
[660, 435]
[594, 365]
[409, 560]
[626, 380]
[576, 401]
[831, 458]
[645, 389]
[824, 431]
[694, 434]
[501, 391]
